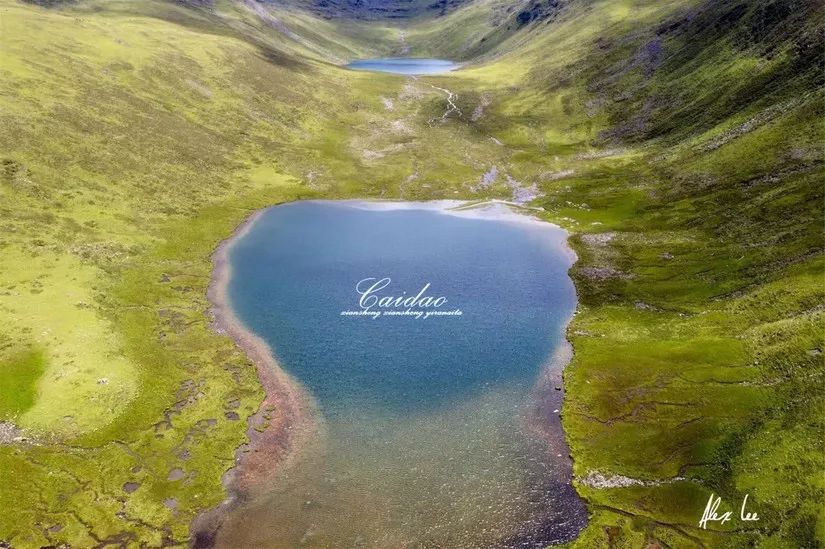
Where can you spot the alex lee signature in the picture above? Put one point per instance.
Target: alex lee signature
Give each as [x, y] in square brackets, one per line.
[710, 514]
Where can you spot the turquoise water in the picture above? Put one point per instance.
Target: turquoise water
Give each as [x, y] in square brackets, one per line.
[434, 430]
[404, 65]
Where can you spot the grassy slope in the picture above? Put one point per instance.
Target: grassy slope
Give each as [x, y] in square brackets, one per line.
[136, 135]
[699, 337]
[134, 138]
[108, 144]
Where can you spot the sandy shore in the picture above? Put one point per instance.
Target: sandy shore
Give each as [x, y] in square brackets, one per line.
[543, 417]
[285, 421]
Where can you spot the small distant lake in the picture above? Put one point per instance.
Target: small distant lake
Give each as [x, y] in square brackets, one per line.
[437, 431]
[404, 65]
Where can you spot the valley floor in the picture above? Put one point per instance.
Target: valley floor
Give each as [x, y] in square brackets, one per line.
[679, 145]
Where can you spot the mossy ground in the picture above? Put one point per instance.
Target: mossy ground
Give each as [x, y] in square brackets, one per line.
[19, 376]
[678, 144]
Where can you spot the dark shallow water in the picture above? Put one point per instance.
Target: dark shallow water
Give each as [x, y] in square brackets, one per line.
[404, 65]
[428, 431]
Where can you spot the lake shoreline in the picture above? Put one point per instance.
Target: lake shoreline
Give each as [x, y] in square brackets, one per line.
[272, 440]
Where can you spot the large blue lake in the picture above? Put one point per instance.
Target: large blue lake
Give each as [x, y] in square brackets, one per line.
[404, 65]
[439, 430]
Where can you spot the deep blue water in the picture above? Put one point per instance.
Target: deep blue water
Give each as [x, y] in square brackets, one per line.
[297, 270]
[424, 435]
[404, 65]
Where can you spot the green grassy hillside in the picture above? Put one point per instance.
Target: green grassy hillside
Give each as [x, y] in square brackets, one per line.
[682, 146]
